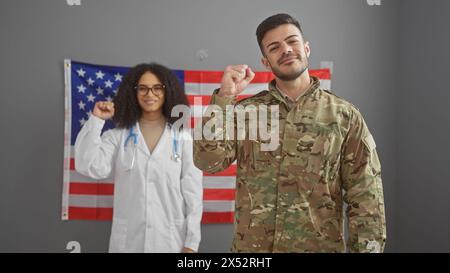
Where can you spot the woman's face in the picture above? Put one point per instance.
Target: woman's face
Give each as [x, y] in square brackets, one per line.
[150, 100]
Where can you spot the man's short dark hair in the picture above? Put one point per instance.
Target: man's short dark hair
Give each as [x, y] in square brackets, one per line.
[273, 22]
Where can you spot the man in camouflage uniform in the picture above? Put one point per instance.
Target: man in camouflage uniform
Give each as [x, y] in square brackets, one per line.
[291, 199]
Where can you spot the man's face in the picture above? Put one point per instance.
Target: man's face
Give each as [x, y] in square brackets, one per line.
[285, 52]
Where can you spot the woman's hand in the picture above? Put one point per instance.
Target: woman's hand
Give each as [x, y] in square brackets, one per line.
[103, 109]
[188, 250]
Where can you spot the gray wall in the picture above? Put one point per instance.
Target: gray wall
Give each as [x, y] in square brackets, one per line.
[363, 41]
[423, 146]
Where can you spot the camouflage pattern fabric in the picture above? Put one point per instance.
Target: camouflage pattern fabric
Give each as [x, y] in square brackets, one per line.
[291, 199]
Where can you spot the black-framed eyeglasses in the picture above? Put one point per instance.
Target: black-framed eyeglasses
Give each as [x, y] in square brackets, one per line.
[157, 89]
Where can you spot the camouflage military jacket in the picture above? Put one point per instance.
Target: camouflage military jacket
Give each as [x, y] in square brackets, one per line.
[291, 199]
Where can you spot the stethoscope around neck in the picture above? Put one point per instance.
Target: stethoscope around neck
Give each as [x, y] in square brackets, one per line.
[133, 136]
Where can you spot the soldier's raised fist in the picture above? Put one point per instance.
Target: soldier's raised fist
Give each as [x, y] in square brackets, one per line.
[235, 79]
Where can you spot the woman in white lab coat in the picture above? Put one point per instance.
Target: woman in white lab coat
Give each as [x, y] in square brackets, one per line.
[157, 189]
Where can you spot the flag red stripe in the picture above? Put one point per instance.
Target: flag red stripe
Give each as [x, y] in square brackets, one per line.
[323, 74]
[72, 164]
[218, 217]
[79, 213]
[91, 188]
[191, 76]
[218, 194]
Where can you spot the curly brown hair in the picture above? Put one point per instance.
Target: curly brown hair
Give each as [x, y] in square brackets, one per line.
[127, 109]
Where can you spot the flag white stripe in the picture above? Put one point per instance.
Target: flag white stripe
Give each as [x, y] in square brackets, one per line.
[206, 89]
[219, 182]
[79, 178]
[91, 201]
[218, 206]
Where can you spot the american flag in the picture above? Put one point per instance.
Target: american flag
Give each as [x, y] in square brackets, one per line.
[84, 198]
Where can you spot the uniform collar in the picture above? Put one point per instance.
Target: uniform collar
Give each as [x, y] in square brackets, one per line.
[273, 89]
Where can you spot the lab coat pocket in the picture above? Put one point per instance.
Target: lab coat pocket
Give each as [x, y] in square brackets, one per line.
[118, 235]
[178, 230]
[173, 172]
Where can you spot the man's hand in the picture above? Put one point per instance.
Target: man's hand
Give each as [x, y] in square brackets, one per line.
[235, 79]
[103, 110]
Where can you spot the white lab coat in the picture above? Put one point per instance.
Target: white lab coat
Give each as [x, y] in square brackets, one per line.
[158, 202]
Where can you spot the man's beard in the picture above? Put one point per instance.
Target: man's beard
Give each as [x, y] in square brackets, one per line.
[291, 76]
